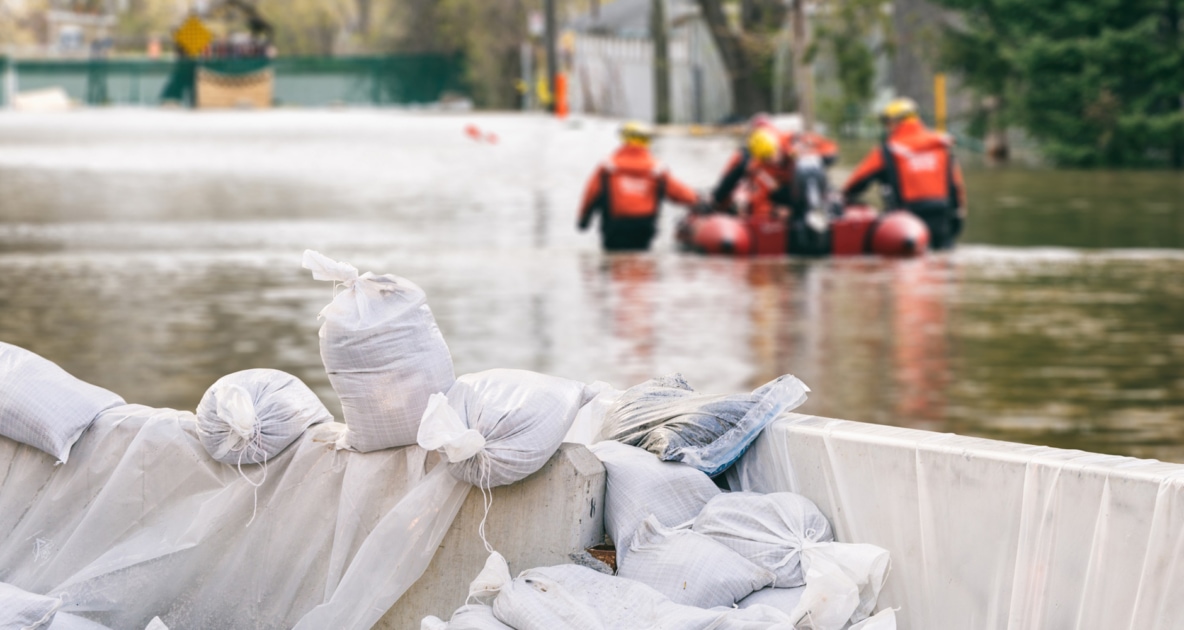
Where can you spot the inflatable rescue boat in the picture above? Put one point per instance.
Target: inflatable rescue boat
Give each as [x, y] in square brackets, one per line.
[859, 230]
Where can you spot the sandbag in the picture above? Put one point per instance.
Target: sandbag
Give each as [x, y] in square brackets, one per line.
[577, 598]
[382, 351]
[784, 599]
[250, 416]
[768, 529]
[883, 620]
[710, 432]
[65, 621]
[843, 583]
[638, 484]
[690, 568]
[22, 610]
[44, 406]
[467, 617]
[499, 426]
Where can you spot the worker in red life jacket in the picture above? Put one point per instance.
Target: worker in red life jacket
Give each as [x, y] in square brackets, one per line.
[627, 192]
[810, 143]
[765, 167]
[919, 169]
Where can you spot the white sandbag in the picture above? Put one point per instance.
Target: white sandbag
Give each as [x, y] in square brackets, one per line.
[768, 529]
[22, 610]
[577, 598]
[883, 620]
[589, 422]
[690, 568]
[475, 617]
[66, 621]
[44, 406]
[843, 583]
[499, 426]
[666, 417]
[383, 352]
[784, 599]
[638, 484]
[250, 416]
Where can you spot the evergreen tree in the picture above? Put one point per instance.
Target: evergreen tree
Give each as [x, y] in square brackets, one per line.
[1097, 82]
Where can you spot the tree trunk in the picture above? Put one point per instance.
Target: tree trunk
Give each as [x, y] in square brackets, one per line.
[747, 99]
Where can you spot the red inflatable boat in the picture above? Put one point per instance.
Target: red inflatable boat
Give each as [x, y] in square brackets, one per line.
[859, 230]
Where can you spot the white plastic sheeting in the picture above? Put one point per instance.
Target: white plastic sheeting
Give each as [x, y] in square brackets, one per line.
[44, 406]
[142, 523]
[987, 534]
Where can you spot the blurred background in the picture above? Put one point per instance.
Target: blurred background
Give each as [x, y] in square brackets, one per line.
[164, 164]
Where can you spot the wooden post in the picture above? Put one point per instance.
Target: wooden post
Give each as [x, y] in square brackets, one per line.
[939, 101]
[552, 57]
[803, 77]
[661, 62]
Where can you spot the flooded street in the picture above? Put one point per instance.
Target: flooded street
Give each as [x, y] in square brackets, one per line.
[152, 252]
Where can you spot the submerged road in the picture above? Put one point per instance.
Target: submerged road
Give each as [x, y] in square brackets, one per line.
[152, 252]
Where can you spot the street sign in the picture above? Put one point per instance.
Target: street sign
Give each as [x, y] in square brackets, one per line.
[193, 36]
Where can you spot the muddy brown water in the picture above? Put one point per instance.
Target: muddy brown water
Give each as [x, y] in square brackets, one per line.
[152, 252]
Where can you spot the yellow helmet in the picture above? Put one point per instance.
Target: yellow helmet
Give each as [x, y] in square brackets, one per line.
[897, 110]
[636, 133]
[763, 144]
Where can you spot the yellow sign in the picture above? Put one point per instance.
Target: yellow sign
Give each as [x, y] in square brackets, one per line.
[193, 36]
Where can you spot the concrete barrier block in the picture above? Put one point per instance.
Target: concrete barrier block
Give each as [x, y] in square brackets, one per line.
[536, 522]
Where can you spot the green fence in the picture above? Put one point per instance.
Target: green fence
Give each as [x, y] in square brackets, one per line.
[305, 81]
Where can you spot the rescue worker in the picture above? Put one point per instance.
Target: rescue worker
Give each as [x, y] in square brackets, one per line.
[917, 165]
[766, 166]
[627, 192]
[808, 142]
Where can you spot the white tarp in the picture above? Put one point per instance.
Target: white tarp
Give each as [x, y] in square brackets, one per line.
[142, 523]
[987, 534]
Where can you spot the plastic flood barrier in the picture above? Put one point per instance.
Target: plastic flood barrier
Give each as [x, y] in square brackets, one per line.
[988, 534]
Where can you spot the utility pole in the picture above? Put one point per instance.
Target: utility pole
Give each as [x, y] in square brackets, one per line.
[552, 57]
[803, 77]
[661, 62]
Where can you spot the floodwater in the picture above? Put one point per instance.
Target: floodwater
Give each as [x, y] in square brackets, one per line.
[152, 252]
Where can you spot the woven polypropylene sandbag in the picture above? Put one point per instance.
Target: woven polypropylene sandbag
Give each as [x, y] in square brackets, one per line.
[383, 352]
[690, 568]
[768, 529]
[248, 417]
[42, 405]
[784, 599]
[577, 598]
[517, 418]
[475, 617]
[639, 484]
[22, 610]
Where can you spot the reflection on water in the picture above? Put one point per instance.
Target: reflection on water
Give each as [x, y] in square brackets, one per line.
[152, 253]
